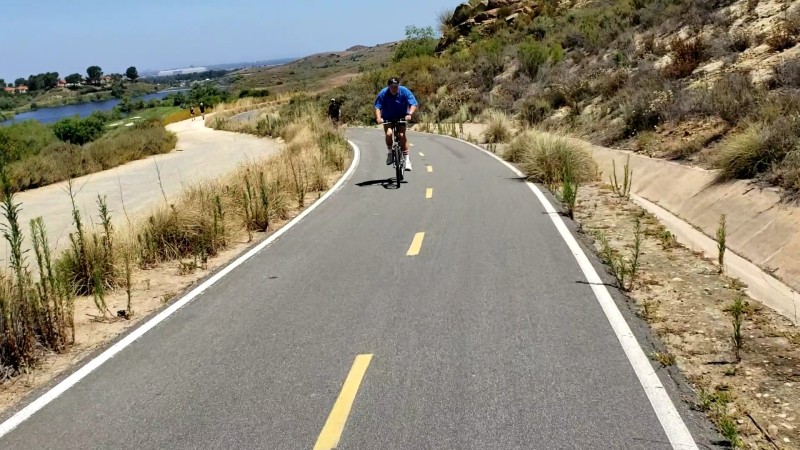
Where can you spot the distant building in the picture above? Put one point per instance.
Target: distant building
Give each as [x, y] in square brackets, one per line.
[169, 73]
[9, 90]
[61, 83]
[22, 89]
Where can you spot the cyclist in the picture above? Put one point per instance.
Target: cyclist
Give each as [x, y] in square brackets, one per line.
[333, 111]
[395, 103]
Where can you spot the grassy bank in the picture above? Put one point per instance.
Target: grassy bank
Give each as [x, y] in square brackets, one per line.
[208, 218]
[35, 156]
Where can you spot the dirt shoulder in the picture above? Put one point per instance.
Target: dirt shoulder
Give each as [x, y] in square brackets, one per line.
[687, 302]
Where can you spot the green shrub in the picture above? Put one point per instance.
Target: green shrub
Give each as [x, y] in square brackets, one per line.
[79, 131]
[533, 110]
[24, 139]
[531, 56]
[418, 42]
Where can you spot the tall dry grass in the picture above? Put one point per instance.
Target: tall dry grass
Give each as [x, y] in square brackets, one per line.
[546, 158]
[37, 310]
[498, 127]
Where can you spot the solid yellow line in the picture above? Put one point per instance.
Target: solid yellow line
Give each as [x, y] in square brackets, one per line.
[332, 431]
[416, 245]
[429, 193]
[430, 169]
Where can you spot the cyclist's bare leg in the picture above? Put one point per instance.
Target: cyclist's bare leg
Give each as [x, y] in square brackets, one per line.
[388, 131]
[403, 139]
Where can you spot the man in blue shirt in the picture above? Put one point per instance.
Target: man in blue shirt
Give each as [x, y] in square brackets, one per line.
[394, 103]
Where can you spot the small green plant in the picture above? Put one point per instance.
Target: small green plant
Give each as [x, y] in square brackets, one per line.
[624, 190]
[569, 192]
[737, 310]
[721, 245]
[633, 267]
[727, 426]
[648, 310]
[668, 240]
[666, 359]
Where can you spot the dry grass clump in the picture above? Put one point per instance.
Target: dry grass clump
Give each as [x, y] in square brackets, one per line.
[545, 158]
[498, 128]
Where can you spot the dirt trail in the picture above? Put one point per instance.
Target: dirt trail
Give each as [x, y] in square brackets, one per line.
[201, 153]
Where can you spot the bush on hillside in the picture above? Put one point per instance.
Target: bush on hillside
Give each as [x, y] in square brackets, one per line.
[686, 57]
[62, 160]
[79, 131]
[24, 139]
[418, 42]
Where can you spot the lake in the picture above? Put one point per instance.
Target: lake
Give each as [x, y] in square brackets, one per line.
[54, 114]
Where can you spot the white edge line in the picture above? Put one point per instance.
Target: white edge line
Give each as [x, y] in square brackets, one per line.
[90, 366]
[674, 427]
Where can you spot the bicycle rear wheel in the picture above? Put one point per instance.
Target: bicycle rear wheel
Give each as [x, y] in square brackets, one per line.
[398, 164]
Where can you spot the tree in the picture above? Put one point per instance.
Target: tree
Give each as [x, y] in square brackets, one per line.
[2, 82]
[79, 131]
[132, 73]
[75, 78]
[418, 42]
[19, 82]
[118, 90]
[95, 74]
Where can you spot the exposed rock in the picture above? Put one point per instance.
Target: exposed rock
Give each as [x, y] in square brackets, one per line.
[486, 15]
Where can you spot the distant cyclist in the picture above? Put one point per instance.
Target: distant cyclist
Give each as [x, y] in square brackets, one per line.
[333, 111]
[395, 103]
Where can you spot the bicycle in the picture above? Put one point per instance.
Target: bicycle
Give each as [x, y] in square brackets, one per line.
[398, 158]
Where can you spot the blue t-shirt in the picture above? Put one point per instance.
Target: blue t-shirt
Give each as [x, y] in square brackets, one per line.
[395, 107]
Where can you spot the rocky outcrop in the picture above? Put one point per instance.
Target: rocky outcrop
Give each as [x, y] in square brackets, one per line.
[480, 15]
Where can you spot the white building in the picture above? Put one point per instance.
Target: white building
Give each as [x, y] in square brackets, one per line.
[169, 73]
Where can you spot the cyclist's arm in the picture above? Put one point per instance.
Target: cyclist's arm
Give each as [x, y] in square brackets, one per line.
[378, 107]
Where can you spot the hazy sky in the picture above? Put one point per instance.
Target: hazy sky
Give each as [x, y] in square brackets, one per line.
[69, 36]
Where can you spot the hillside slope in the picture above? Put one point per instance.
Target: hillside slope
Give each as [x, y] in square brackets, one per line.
[710, 83]
[315, 72]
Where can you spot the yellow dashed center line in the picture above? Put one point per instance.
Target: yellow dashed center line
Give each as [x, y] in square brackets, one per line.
[422, 154]
[430, 169]
[429, 193]
[332, 431]
[416, 245]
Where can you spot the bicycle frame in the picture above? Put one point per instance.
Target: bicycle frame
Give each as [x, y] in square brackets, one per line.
[397, 152]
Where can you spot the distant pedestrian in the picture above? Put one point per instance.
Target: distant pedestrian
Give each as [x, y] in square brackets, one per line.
[191, 111]
[333, 111]
[202, 110]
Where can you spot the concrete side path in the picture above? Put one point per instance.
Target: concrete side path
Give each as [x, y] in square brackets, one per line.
[201, 153]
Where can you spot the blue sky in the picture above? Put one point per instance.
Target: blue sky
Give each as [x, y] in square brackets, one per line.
[69, 36]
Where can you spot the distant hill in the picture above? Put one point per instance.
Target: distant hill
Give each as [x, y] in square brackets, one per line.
[315, 72]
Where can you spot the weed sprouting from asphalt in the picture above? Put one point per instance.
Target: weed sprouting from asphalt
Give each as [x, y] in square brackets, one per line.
[664, 358]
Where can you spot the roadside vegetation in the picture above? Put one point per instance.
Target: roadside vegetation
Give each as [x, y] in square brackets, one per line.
[669, 79]
[38, 301]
